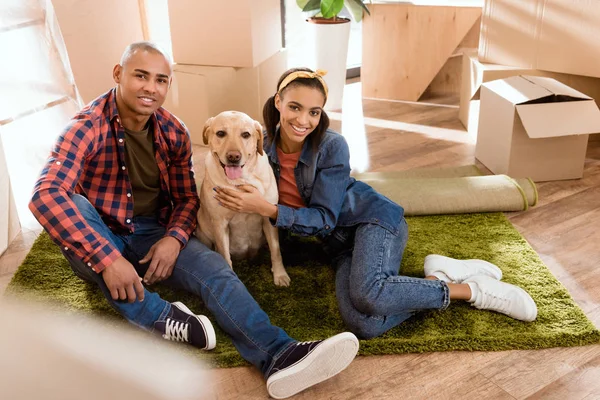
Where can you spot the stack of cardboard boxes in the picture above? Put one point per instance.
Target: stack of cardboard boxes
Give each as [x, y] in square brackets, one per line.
[95, 35]
[529, 93]
[228, 56]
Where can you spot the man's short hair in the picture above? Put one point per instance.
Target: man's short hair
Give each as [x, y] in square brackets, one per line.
[144, 46]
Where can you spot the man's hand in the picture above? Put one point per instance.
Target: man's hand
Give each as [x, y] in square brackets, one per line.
[123, 281]
[247, 199]
[163, 254]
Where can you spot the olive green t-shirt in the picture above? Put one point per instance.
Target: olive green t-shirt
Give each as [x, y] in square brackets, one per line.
[143, 171]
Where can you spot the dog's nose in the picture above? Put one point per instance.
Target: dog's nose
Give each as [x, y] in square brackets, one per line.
[234, 156]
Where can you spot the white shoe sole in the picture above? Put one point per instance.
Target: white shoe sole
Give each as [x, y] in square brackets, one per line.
[211, 337]
[329, 358]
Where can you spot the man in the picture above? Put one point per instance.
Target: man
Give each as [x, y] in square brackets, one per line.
[118, 196]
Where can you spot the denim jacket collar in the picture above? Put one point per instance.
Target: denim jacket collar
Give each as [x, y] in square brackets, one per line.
[305, 158]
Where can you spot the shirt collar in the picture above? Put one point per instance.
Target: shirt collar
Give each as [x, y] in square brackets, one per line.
[113, 111]
[305, 158]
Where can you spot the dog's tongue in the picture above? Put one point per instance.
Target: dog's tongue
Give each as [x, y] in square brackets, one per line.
[233, 172]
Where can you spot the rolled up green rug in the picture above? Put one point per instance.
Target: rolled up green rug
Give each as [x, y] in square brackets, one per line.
[453, 191]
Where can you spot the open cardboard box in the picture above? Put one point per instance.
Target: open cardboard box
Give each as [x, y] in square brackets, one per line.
[475, 72]
[534, 127]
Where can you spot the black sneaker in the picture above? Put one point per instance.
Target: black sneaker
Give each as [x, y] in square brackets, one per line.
[182, 325]
[304, 364]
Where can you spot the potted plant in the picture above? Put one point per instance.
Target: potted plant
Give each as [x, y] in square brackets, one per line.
[327, 38]
[329, 9]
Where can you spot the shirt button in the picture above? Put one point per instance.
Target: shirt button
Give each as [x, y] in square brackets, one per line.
[326, 226]
[123, 168]
[128, 220]
[128, 194]
[58, 163]
[66, 248]
[89, 264]
[120, 140]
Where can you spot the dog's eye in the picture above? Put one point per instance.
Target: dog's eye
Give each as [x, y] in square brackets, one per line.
[221, 134]
[246, 135]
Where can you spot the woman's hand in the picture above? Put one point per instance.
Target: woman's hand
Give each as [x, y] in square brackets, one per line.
[247, 199]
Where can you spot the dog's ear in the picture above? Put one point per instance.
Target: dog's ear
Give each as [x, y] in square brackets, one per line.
[206, 128]
[259, 136]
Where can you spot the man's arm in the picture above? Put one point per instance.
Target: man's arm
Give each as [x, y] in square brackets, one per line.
[51, 203]
[183, 194]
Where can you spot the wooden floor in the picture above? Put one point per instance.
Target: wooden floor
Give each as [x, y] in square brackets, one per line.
[563, 229]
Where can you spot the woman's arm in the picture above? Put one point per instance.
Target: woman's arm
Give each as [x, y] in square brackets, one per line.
[247, 199]
[321, 214]
[332, 177]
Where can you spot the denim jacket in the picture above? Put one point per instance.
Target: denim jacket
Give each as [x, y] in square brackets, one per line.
[332, 197]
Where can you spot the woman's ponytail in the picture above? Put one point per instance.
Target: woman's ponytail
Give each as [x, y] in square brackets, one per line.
[271, 118]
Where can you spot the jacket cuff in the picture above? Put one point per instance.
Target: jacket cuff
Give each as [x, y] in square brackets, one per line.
[285, 217]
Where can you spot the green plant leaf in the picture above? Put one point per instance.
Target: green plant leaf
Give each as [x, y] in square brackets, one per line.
[331, 8]
[309, 5]
[356, 8]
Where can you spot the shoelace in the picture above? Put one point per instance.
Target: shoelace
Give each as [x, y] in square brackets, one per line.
[493, 302]
[306, 343]
[176, 330]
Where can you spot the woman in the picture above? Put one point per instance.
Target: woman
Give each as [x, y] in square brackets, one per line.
[365, 232]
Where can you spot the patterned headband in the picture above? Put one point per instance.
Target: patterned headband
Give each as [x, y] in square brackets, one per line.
[318, 74]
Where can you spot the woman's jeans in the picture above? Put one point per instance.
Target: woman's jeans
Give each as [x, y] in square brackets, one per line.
[198, 270]
[372, 296]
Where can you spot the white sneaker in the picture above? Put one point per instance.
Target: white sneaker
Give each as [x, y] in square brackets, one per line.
[456, 271]
[490, 294]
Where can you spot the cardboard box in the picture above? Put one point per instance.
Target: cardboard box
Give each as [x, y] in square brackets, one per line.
[551, 35]
[233, 33]
[198, 93]
[255, 85]
[9, 219]
[475, 72]
[95, 37]
[534, 127]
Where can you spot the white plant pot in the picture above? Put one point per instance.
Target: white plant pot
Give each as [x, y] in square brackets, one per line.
[329, 46]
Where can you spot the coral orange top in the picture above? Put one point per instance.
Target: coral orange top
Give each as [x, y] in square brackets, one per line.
[288, 190]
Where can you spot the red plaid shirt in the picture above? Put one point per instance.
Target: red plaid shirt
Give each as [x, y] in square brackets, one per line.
[89, 159]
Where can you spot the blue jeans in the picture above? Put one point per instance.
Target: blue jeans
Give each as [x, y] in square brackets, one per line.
[198, 270]
[372, 296]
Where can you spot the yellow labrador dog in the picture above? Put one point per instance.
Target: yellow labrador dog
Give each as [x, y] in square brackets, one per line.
[236, 157]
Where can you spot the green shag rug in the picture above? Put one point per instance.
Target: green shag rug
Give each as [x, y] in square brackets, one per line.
[307, 310]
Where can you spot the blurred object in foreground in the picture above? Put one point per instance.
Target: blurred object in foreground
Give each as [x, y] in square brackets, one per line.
[47, 355]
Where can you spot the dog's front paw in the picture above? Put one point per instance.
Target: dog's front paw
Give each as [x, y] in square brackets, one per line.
[281, 278]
